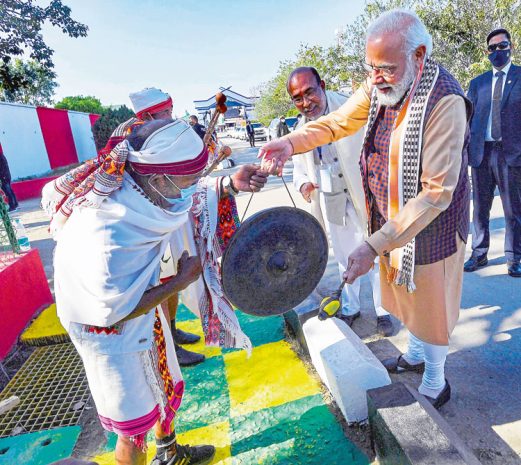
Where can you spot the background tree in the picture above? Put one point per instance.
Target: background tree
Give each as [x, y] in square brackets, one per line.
[109, 120]
[460, 27]
[274, 100]
[27, 82]
[87, 104]
[21, 23]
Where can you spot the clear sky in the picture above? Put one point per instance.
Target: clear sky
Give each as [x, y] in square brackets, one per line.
[187, 48]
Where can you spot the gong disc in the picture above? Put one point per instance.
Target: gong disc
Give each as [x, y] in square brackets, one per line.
[274, 261]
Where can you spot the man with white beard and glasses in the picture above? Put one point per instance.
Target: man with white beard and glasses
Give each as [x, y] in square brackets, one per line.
[414, 170]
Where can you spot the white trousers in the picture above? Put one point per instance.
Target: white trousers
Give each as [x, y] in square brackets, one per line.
[344, 240]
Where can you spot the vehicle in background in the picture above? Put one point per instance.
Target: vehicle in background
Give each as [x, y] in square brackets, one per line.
[260, 131]
[241, 133]
[291, 121]
[235, 132]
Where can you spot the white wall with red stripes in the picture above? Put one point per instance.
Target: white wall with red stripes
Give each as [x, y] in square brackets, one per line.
[36, 140]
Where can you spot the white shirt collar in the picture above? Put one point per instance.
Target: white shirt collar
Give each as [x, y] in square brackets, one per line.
[505, 69]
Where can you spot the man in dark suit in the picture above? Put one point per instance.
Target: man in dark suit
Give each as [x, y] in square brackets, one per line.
[250, 131]
[495, 151]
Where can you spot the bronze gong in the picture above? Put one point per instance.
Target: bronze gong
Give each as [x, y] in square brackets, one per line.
[274, 261]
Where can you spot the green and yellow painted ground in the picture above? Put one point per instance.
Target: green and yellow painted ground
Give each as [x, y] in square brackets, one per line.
[263, 410]
[266, 409]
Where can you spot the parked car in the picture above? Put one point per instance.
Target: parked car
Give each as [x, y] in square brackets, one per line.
[241, 133]
[260, 131]
[291, 121]
[235, 132]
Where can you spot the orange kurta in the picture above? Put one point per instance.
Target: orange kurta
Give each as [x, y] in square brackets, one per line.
[431, 312]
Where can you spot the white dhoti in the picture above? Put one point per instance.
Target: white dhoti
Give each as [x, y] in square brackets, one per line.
[132, 389]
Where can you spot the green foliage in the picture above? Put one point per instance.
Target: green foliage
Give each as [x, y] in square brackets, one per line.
[86, 104]
[26, 82]
[274, 99]
[21, 24]
[352, 39]
[109, 120]
[459, 29]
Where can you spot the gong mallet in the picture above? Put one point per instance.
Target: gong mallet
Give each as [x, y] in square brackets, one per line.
[220, 108]
[224, 152]
[330, 305]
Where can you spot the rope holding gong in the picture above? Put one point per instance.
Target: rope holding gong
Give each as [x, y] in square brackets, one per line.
[253, 193]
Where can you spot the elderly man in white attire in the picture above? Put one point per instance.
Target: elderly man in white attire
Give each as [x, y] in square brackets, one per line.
[329, 178]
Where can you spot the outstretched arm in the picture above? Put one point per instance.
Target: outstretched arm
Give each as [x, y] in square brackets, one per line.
[441, 164]
[345, 121]
[249, 178]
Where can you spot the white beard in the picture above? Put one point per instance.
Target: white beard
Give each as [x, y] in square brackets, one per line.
[392, 97]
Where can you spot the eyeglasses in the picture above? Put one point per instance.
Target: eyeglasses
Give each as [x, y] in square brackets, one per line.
[308, 95]
[499, 46]
[387, 71]
[164, 186]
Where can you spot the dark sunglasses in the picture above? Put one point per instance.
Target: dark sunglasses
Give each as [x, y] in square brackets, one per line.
[499, 46]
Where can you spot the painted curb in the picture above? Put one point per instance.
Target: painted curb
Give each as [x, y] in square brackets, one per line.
[406, 429]
[295, 320]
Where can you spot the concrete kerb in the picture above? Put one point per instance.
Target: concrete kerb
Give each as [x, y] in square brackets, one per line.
[390, 429]
[406, 429]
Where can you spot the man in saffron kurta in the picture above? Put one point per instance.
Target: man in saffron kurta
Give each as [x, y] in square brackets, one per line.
[414, 169]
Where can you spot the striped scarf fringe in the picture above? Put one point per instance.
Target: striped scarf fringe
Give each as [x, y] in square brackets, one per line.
[401, 271]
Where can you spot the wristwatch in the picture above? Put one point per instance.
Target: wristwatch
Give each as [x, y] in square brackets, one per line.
[227, 184]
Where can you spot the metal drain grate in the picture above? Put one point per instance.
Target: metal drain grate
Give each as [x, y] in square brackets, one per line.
[52, 388]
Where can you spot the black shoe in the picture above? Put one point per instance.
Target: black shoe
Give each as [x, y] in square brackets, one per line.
[473, 263]
[182, 337]
[348, 319]
[514, 269]
[187, 358]
[186, 455]
[443, 397]
[400, 365]
[384, 325]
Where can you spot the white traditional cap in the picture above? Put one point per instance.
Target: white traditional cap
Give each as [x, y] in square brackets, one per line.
[174, 149]
[149, 100]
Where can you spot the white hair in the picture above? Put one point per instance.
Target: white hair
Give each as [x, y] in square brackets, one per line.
[404, 22]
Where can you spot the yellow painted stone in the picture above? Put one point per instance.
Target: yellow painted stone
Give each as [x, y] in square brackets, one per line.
[45, 325]
[272, 376]
[218, 435]
[194, 326]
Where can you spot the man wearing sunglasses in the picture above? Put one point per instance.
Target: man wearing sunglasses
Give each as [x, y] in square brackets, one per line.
[495, 152]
